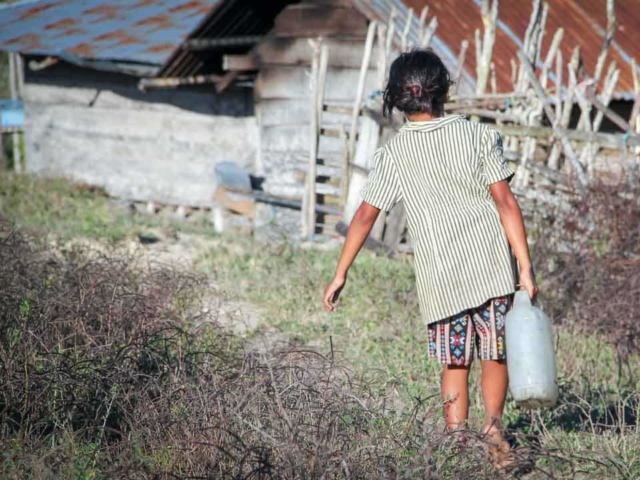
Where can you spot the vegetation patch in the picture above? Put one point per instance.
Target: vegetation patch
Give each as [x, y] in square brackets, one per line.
[111, 368]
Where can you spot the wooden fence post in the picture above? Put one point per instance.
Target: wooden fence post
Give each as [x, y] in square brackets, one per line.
[362, 82]
[485, 48]
[563, 122]
[309, 199]
[421, 24]
[405, 32]
[13, 87]
[3, 159]
[566, 144]
[464, 46]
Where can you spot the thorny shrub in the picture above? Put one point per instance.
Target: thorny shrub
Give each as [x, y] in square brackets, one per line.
[589, 260]
[112, 369]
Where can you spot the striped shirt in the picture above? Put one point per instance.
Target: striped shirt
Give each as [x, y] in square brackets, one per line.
[441, 169]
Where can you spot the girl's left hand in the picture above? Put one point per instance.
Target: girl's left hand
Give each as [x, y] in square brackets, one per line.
[528, 282]
[332, 293]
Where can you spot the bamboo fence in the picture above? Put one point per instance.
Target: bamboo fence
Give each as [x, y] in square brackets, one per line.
[552, 130]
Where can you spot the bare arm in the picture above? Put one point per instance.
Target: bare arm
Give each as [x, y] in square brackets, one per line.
[359, 230]
[513, 224]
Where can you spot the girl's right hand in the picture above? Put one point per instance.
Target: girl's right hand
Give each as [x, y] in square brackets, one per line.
[332, 293]
[528, 282]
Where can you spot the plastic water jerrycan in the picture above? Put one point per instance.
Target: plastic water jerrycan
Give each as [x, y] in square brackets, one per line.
[530, 355]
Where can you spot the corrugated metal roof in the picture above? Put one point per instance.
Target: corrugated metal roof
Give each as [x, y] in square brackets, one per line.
[381, 10]
[584, 23]
[130, 31]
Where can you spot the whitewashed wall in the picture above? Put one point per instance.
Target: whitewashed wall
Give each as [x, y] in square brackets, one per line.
[161, 146]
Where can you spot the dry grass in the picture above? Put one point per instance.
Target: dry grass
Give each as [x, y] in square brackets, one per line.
[111, 369]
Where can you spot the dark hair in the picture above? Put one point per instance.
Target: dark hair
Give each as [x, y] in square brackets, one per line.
[418, 83]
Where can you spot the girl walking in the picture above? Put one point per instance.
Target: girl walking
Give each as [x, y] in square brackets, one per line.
[464, 223]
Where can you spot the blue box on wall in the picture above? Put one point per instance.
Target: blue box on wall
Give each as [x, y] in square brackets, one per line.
[11, 115]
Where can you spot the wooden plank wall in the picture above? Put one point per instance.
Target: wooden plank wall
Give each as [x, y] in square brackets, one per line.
[282, 88]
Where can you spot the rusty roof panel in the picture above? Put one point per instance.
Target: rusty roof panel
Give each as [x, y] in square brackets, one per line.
[144, 31]
[584, 23]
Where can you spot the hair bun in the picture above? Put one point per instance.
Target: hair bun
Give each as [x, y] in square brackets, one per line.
[418, 83]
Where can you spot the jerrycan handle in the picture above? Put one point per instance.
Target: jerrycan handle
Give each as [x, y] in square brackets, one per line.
[522, 299]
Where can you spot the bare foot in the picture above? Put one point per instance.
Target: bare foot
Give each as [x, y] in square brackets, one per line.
[499, 449]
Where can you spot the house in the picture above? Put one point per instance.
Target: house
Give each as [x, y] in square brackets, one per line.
[145, 97]
[87, 116]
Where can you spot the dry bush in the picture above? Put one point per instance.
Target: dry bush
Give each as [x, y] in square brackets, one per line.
[110, 369]
[589, 260]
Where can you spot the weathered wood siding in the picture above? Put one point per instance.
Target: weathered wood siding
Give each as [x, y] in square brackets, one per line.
[282, 89]
[160, 145]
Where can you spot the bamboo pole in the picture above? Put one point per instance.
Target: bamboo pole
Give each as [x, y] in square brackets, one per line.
[20, 75]
[634, 120]
[322, 81]
[13, 88]
[487, 104]
[345, 170]
[559, 68]
[464, 46]
[3, 160]
[603, 107]
[489, 96]
[422, 24]
[391, 30]
[542, 30]
[584, 122]
[585, 105]
[478, 45]
[608, 38]
[364, 69]
[309, 198]
[532, 115]
[494, 80]
[172, 82]
[429, 33]
[591, 150]
[20, 85]
[634, 110]
[566, 144]
[405, 32]
[382, 55]
[213, 43]
[613, 141]
[492, 114]
[530, 43]
[485, 48]
[563, 122]
[523, 176]
[548, 62]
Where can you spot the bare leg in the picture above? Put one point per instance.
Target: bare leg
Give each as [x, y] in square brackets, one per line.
[455, 393]
[494, 391]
